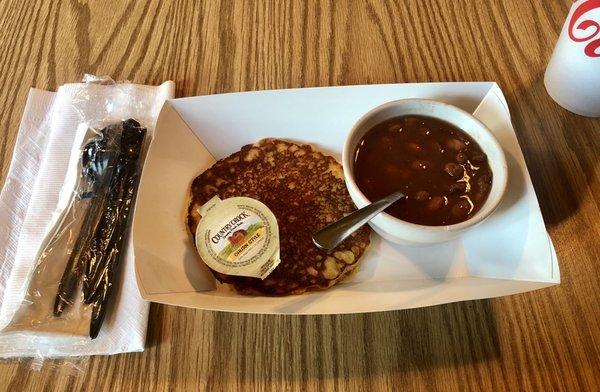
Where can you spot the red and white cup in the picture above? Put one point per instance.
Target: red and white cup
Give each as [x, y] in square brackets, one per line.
[573, 75]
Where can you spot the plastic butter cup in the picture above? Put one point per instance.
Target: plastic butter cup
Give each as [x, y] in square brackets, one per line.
[238, 236]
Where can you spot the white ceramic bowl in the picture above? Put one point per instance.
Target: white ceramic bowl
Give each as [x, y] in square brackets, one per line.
[402, 232]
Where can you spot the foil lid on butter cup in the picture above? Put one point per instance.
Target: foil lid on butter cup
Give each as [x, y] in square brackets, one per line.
[238, 236]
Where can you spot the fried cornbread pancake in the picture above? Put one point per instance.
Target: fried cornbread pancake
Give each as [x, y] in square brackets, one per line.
[305, 190]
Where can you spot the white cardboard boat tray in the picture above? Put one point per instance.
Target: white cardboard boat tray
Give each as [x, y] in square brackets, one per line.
[508, 253]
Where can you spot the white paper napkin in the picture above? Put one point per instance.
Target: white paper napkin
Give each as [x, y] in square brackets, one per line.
[29, 199]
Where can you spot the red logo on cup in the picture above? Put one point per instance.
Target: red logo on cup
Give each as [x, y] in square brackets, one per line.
[592, 49]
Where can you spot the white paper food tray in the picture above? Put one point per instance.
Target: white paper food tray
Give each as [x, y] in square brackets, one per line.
[509, 253]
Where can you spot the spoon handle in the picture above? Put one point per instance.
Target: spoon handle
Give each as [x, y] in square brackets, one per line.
[332, 235]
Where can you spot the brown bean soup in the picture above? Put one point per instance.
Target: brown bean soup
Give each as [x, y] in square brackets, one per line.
[443, 172]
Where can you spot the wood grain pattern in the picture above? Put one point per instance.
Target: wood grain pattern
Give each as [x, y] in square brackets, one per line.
[545, 340]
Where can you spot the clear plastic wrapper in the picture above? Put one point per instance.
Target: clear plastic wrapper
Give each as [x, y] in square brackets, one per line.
[70, 290]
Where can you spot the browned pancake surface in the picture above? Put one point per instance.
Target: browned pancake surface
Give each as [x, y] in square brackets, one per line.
[305, 190]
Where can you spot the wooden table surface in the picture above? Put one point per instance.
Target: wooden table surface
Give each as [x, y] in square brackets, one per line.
[544, 340]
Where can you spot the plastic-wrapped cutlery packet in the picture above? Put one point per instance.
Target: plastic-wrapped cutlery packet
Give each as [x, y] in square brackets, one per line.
[71, 287]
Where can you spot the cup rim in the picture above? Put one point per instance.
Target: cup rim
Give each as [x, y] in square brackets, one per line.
[502, 176]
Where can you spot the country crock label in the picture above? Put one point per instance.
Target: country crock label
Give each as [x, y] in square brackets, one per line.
[238, 236]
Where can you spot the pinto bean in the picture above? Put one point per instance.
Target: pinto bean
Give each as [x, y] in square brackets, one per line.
[455, 144]
[478, 156]
[421, 196]
[436, 203]
[458, 188]
[454, 169]
[461, 208]
[394, 127]
[484, 182]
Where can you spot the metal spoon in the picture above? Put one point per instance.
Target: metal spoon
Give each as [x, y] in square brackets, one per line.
[333, 234]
